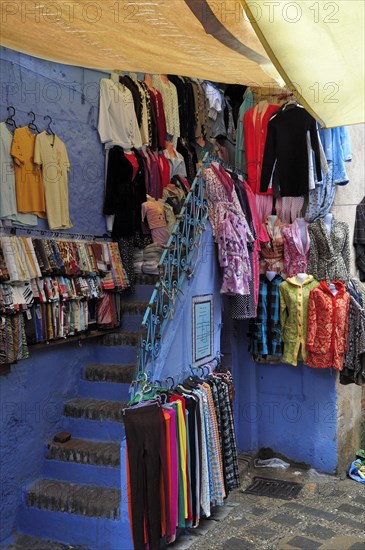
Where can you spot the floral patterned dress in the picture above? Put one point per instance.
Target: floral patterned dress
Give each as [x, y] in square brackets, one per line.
[233, 256]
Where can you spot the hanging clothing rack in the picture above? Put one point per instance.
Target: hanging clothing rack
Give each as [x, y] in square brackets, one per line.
[52, 234]
[143, 381]
[227, 166]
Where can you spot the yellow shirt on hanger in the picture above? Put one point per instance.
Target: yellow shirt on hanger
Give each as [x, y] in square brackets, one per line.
[28, 178]
[51, 153]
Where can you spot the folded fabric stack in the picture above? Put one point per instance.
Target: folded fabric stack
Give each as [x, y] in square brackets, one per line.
[137, 260]
[151, 257]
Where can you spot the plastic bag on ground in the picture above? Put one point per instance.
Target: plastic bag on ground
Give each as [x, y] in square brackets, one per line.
[271, 463]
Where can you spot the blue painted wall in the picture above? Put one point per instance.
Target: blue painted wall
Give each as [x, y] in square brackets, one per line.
[293, 410]
[32, 396]
[70, 95]
[176, 356]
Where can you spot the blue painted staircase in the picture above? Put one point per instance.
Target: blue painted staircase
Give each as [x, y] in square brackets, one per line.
[81, 498]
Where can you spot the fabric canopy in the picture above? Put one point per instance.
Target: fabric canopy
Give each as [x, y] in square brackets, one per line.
[153, 36]
[318, 48]
[315, 48]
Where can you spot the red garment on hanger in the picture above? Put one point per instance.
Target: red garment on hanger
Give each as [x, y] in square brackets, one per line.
[134, 162]
[255, 131]
[164, 166]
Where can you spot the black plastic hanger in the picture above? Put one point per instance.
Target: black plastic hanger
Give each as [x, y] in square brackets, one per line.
[10, 120]
[31, 124]
[49, 129]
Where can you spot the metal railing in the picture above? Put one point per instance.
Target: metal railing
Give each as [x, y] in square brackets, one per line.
[175, 265]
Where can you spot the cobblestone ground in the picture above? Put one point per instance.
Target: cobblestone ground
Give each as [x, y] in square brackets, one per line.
[328, 514]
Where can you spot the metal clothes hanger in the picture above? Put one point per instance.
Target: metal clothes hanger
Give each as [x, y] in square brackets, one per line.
[32, 125]
[49, 129]
[10, 120]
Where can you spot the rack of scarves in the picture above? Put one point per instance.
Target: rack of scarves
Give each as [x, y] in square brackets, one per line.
[53, 288]
[181, 454]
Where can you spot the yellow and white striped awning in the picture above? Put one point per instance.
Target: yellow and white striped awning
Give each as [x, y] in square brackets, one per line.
[261, 44]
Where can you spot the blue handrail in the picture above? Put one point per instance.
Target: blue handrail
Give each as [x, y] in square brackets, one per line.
[175, 266]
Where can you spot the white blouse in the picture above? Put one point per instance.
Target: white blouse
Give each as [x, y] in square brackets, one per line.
[171, 106]
[117, 117]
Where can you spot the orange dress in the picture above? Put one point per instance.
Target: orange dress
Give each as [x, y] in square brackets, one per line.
[327, 332]
[28, 178]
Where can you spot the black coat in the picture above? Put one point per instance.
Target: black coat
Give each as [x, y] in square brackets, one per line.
[286, 143]
[123, 194]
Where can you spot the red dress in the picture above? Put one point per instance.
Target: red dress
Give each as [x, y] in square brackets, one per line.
[327, 331]
[255, 123]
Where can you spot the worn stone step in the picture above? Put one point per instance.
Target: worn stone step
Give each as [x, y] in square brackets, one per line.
[121, 339]
[95, 409]
[85, 451]
[83, 500]
[134, 307]
[144, 279]
[25, 542]
[121, 374]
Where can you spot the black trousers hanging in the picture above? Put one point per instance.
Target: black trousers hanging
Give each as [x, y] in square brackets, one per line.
[143, 433]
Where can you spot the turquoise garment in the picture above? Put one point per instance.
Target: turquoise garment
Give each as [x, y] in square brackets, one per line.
[240, 156]
[336, 145]
[337, 150]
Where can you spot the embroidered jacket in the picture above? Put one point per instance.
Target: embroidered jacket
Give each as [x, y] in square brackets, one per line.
[293, 317]
[272, 252]
[296, 250]
[233, 255]
[353, 371]
[329, 254]
[327, 334]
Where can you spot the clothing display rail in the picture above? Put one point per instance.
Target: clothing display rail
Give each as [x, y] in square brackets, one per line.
[144, 382]
[52, 234]
[175, 265]
[181, 458]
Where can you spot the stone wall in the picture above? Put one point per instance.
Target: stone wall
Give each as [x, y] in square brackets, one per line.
[344, 208]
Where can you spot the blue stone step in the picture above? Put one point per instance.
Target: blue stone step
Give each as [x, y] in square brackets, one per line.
[131, 322]
[97, 429]
[144, 286]
[74, 498]
[120, 373]
[134, 307]
[86, 474]
[25, 542]
[71, 529]
[123, 340]
[103, 390]
[115, 350]
[85, 451]
[95, 409]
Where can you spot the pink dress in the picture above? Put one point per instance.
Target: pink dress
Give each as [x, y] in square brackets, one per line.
[296, 249]
[262, 237]
[220, 198]
[233, 255]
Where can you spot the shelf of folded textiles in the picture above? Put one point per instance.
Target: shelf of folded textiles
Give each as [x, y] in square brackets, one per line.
[87, 335]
